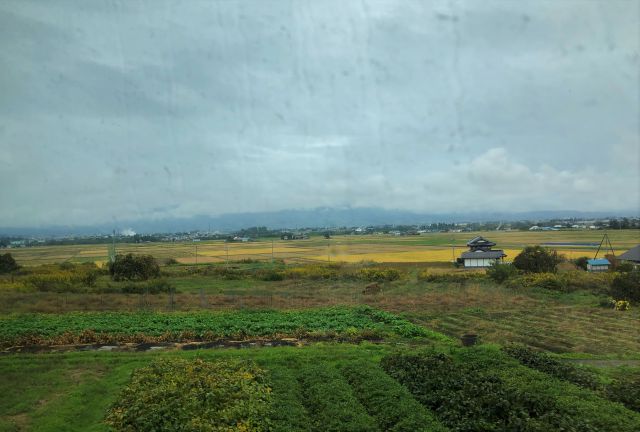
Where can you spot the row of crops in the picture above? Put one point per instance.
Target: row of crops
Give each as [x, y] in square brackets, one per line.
[477, 389]
[361, 322]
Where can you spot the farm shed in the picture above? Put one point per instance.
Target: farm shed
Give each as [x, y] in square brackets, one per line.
[632, 256]
[598, 265]
[481, 254]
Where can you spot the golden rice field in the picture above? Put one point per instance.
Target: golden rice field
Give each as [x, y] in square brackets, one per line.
[430, 247]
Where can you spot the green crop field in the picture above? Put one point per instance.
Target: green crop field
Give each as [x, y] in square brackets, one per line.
[319, 387]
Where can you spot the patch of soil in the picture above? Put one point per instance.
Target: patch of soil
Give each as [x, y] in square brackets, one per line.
[20, 421]
[190, 345]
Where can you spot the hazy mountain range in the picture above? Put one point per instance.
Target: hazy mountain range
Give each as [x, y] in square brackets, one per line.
[296, 219]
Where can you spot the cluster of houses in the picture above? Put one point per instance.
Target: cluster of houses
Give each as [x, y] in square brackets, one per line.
[482, 254]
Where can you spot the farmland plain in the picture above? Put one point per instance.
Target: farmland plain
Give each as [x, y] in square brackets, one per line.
[429, 247]
[344, 339]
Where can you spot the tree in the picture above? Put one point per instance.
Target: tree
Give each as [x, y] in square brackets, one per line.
[536, 259]
[581, 262]
[7, 263]
[626, 286]
[134, 267]
[501, 272]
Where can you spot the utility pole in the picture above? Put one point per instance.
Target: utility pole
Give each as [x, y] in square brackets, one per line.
[226, 248]
[328, 251]
[453, 249]
[112, 249]
[196, 253]
[271, 251]
[605, 237]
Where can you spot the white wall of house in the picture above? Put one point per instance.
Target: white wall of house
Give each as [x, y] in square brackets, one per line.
[478, 262]
[597, 268]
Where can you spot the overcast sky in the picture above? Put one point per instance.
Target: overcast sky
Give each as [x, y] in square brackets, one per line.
[113, 110]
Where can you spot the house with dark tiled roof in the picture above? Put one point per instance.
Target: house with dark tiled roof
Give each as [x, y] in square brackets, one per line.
[481, 253]
[632, 256]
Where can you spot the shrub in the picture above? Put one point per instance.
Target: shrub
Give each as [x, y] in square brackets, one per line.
[314, 272]
[378, 274]
[581, 262]
[57, 282]
[226, 273]
[66, 265]
[330, 401]
[465, 397]
[269, 275]
[89, 278]
[134, 267]
[480, 390]
[456, 277]
[501, 272]
[287, 411]
[65, 277]
[545, 363]
[550, 281]
[626, 286]
[625, 389]
[387, 401]
[8, 263]
[170, 261]
[598, 283]
[537, 259]
[152, 287]
[193, 395]
[624, 267]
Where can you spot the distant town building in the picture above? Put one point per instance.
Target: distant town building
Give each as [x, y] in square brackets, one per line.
[292, 236]
[598, 265]
[481, 254]
[632, 256]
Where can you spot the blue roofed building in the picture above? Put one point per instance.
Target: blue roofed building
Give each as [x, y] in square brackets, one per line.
[598, 265]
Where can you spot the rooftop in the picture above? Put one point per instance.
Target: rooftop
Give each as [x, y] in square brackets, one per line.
[632, 254]
[494, 254]
[599, 261]
[480, 241]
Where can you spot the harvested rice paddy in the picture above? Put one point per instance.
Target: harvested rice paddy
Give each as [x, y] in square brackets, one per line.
[429, 247]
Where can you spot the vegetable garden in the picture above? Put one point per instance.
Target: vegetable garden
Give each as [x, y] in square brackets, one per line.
[408, 379]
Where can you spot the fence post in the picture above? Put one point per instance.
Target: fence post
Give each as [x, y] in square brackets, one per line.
[203, 300]
[171, 299]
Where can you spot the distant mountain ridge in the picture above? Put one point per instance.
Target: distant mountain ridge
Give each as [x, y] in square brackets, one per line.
[300, 218]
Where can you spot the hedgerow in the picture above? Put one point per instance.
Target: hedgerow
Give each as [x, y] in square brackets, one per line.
[545, 363]
[626, 286]
[625, 388]
[193, 395]
[570, 281]
[331, 402]
[288, 414]
[481, 390]
[378, 274]
[387, 401]
[400, 325]
[454, 277]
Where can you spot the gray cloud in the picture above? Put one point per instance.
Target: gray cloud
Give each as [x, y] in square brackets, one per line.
[163, 108]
